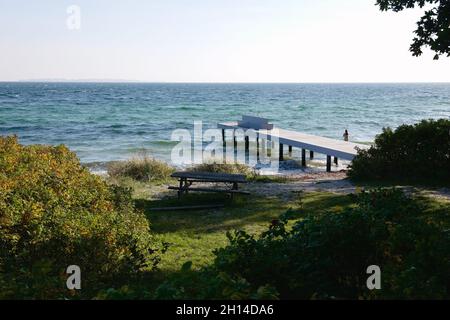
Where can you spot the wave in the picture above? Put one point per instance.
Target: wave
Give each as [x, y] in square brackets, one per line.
[108, 128]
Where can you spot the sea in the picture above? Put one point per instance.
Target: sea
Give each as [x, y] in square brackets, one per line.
[105, 122]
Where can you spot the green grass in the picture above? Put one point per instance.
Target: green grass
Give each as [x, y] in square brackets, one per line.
[436, 209]
[193, 235]
[269, 179]
[143, 190]
[321, 202]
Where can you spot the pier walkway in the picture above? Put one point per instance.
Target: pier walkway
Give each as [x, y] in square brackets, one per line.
[339, 149]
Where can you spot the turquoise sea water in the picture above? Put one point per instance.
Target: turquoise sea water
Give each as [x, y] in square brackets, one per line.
[112, 121]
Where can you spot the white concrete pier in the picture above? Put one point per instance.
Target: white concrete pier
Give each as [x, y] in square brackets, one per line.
[339, 149]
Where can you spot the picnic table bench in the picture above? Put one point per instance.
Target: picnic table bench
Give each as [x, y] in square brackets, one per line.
[187, 179]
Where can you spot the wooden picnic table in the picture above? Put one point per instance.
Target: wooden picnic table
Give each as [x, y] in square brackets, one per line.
[187, 179]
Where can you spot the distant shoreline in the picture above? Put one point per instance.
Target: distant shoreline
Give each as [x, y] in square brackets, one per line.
[118, 81]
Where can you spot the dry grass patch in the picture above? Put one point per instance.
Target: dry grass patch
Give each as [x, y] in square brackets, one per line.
[142, 168]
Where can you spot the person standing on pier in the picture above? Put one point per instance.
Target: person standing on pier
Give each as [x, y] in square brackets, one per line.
[345, 135]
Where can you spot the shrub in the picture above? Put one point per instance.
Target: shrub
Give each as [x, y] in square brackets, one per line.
[209, 284]
[417, 153]
[326, 256]
[234, 168]
[54, 213]
[142, 168]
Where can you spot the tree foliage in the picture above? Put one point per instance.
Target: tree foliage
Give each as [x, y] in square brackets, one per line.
[325, 256]
[433, 28]
[417, 153]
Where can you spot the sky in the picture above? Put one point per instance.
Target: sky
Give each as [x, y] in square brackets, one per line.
[212, 41]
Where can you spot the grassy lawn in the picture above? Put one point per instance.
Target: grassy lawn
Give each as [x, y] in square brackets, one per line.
[193, 235]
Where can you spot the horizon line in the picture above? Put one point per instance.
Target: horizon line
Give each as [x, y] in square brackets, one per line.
[118, 81]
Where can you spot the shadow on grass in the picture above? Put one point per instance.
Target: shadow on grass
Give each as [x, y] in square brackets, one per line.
[317, 203]
[241, 212]
[320, 202]
[193, 235]
[244, 211]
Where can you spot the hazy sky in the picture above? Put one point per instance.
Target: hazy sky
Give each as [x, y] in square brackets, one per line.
[213, 41]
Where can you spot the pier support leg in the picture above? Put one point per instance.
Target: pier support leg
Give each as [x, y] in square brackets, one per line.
[224, 147]
[336, 161]
[311, 155]
[303, 158]
[290, 151]
[328, 163]
[234, 147]
[247, 151]
[281, 152]
[234, 142]
[257, 147]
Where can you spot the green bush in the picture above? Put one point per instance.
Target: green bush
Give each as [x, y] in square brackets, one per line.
[54, 213]
[237, 168]
[210, 284]
[234, 168]
[326, 256]
[417, 153]
[143, 168]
